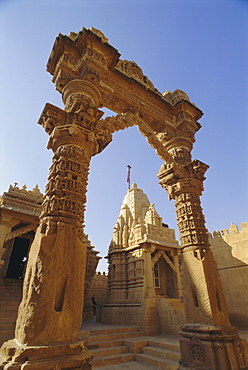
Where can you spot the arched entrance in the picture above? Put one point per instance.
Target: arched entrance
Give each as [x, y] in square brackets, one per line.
[89, 73]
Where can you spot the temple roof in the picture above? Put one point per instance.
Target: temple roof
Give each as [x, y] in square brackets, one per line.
[22, 200]
[139, 222]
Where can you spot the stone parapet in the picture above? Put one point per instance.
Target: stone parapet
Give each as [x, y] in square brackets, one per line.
[230, 250]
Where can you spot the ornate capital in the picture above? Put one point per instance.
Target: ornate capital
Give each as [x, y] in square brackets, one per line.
[177, 179]
[184, 183]
[77, 126]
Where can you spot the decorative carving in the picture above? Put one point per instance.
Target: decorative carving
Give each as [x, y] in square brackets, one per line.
[175, 96]
[99, 34]
[52, 117]
[239, 352]
[184, 116]
[77, 101]
[154, 141]
[96, 56]
[87, 117]
[20, 231]
[118, 122]
[191, 221]
[22, 200]
[64, 73]
[66, 188]
[121, 121]
[167, 134]
[186, 131]
[131, 69]
[180, 155]
[184, 184]
[165, 257]
[196, 349]
[177, 178]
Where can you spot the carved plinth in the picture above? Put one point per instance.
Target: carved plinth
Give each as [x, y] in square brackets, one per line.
[211, 347]
[58, 356]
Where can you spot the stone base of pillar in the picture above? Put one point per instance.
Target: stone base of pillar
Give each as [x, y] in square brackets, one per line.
[45, 357]
[210, 347]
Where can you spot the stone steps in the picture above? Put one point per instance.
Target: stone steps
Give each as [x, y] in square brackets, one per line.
[107, 361]
[11, 295]
[104, 352]
[107, 344]
[127, 348]
[156, 362]
[134, 365]
[161, 352]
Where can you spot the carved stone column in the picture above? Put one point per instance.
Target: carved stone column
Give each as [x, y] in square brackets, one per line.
[50, 313]
[209, 341]
[149, 290]
[179, 282]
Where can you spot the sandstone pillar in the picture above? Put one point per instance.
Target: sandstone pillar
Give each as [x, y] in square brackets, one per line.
[50, 313]
[208, 341]
[149, 290]
[179, 282]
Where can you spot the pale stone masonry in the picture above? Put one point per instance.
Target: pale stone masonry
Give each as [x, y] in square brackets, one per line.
[230, 249]
[144, 284]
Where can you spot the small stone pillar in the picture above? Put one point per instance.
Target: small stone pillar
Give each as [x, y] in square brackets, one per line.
[208, 340]
[149, 290]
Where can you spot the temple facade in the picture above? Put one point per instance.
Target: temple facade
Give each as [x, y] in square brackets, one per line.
[122, 294]
[144, 284]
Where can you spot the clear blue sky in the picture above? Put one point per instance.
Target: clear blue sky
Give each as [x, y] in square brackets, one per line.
[199, 46]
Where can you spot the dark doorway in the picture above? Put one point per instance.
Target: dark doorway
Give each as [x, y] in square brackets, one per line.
[18, 258]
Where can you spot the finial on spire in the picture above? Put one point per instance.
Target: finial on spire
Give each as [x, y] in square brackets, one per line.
[129, 175]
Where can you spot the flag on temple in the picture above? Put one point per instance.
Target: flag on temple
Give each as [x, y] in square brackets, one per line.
[128, 175]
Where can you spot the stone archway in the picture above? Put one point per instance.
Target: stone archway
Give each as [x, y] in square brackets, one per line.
[89, 74]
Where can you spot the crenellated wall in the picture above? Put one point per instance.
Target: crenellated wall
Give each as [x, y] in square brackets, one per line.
[230, 249]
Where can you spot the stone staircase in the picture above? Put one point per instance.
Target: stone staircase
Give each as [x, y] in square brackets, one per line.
[161, 352]
[117, 347]
[106, 343]
[10, 298]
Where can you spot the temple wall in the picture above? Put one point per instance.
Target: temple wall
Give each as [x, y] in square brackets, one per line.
[144, 315]
[230, 249]
[171, 315]
[98, 288]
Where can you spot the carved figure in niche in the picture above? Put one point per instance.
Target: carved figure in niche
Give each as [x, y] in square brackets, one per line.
[86, 117]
